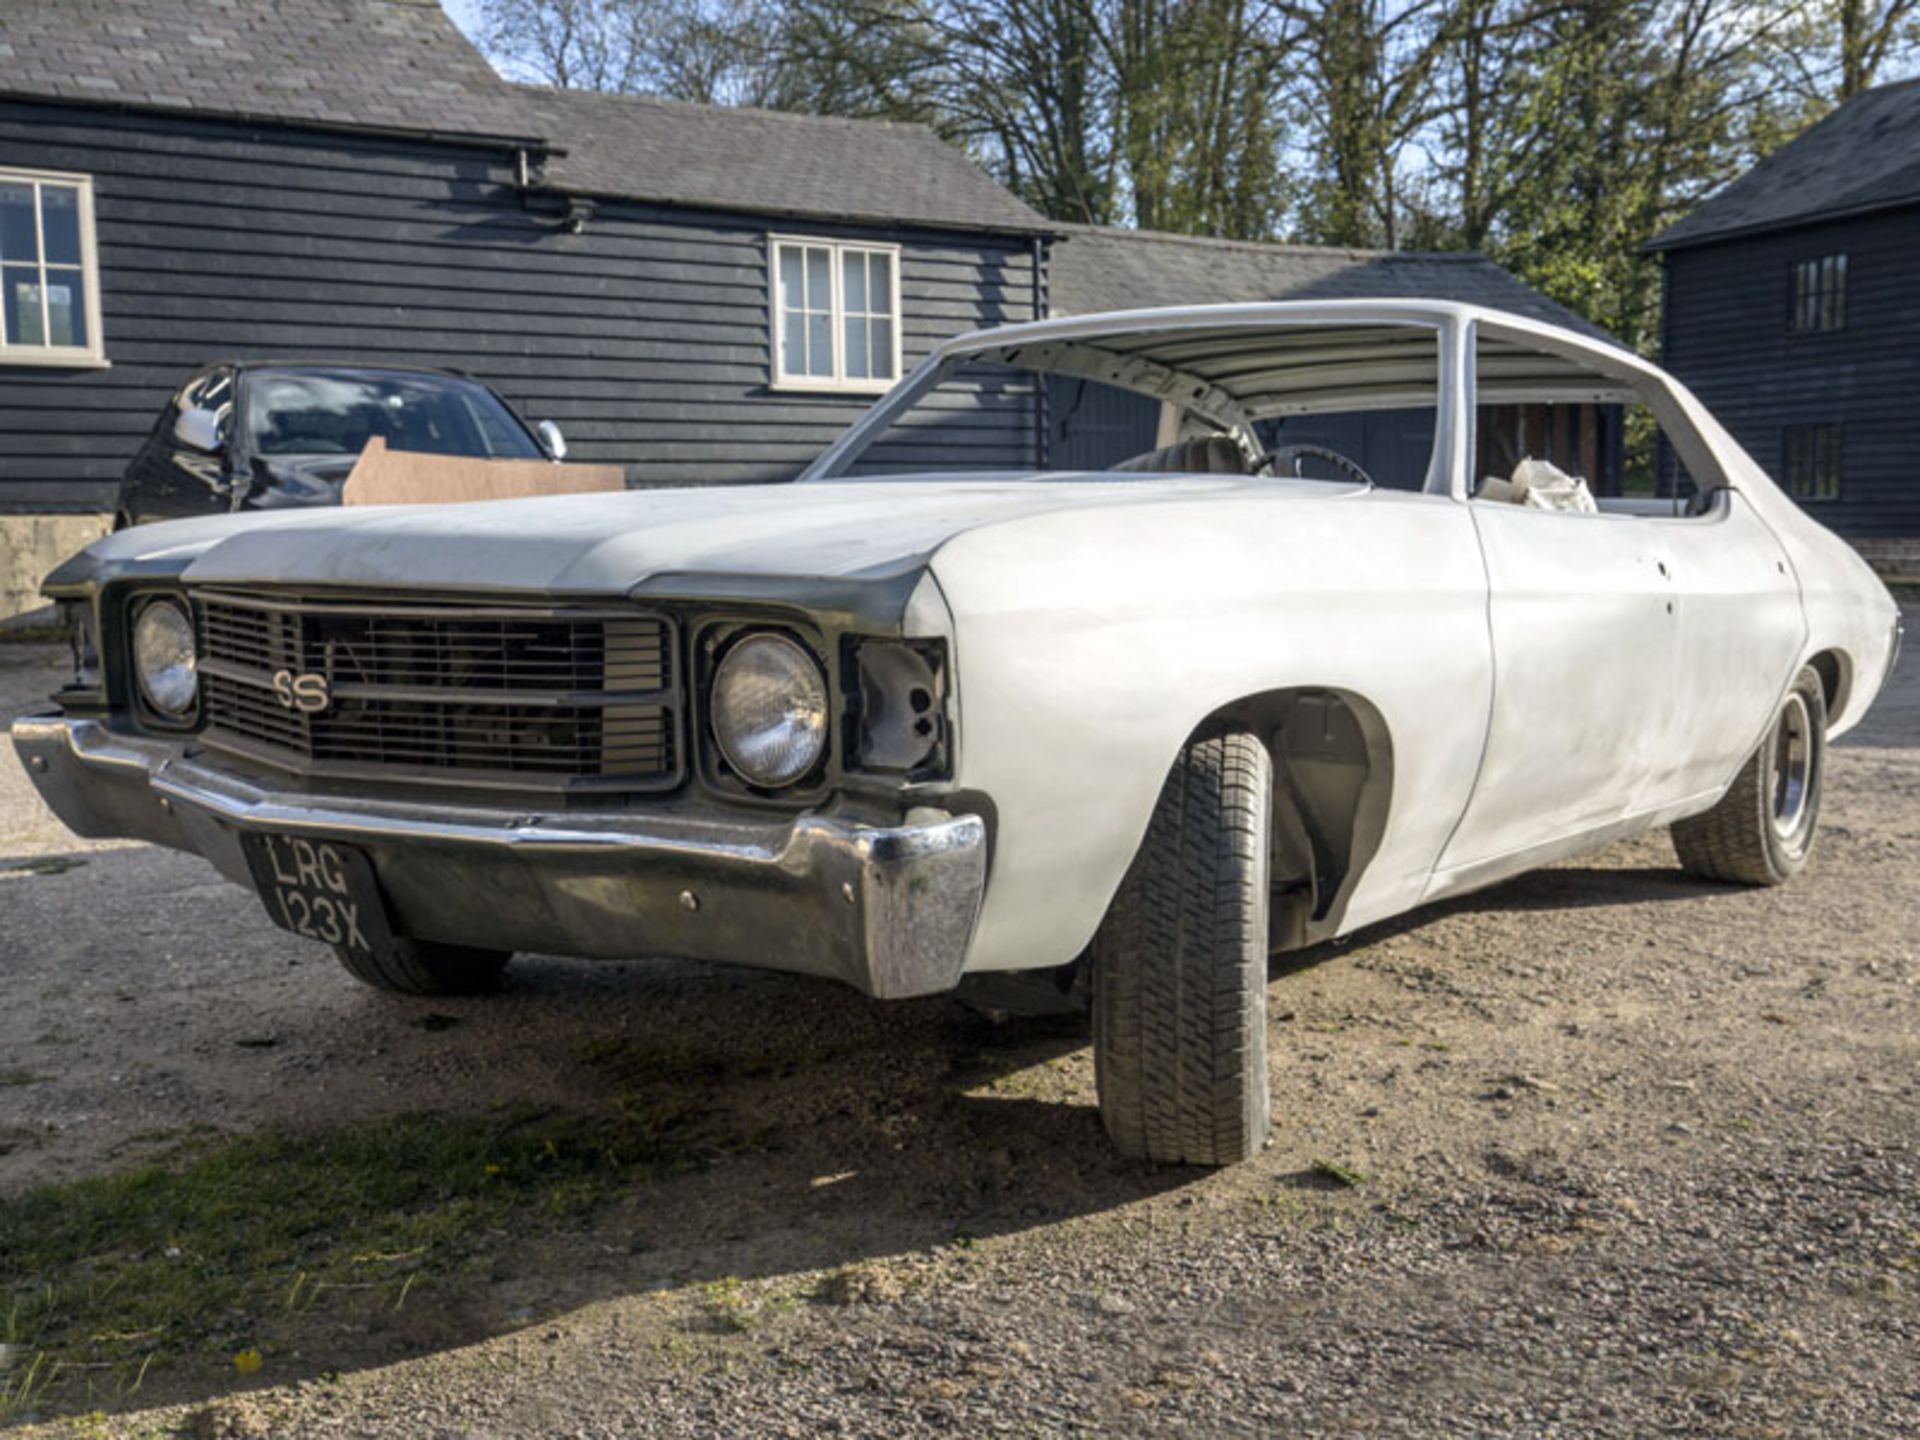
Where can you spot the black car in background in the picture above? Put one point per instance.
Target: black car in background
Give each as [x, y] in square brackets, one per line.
[260, 435]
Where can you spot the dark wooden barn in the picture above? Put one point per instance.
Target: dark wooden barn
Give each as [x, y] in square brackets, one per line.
[1793, 311]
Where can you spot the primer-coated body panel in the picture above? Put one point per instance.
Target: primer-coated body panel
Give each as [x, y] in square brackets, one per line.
[1087, 655]
[1634, 658]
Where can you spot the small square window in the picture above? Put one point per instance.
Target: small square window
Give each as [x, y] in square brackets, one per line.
[1810, 460]
[49, 277]
[1819, 295]
[836, 312]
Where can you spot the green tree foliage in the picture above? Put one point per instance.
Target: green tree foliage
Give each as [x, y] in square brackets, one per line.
[1609, 120]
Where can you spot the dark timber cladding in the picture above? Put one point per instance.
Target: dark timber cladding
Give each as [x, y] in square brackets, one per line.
[1793, 311]
[1729, 336]
[646, 336]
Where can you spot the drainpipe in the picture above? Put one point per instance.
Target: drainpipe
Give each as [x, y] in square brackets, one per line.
[1042, 387]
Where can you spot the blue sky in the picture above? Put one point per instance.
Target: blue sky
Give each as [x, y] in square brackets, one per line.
[465, 13]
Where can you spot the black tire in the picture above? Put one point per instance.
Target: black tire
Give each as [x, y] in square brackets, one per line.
[425, 967]
[1180, 967]
[1761, 832]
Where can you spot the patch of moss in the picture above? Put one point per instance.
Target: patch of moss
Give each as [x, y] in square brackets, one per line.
[41, 865]
[118, 1272]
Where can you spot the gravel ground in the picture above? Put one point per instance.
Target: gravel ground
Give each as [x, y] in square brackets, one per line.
[1634, 1155]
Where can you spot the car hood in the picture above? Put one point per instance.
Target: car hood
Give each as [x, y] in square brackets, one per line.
[607, 543]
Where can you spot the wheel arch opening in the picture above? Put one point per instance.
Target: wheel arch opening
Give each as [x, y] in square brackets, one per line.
[1333, 786]
[1836, 677]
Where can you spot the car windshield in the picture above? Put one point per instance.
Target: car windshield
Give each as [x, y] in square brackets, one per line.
[335, 412]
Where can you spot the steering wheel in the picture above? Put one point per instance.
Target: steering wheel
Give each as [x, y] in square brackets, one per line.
[1280, 455]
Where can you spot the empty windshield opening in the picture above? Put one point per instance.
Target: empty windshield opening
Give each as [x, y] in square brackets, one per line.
[1340, 402]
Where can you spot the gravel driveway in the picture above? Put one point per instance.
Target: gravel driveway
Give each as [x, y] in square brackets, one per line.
[1602, 1151]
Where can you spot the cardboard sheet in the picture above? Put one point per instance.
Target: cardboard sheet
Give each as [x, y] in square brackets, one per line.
[400, 477]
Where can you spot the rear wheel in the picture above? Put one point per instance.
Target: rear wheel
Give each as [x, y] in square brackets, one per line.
[1180, 966]
[1761, 832]
[426, 967]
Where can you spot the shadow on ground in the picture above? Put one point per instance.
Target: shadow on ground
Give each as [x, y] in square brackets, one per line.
[757, 1127]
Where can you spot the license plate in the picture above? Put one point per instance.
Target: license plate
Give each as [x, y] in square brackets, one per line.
[320, 889]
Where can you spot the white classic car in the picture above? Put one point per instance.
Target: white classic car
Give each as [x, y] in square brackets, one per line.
[901, 723]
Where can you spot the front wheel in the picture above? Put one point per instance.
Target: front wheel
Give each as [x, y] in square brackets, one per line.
[1761, 832]
[426, 967]
[1180, 966]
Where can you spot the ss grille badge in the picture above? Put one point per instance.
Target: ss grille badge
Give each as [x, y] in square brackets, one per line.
[307, 693]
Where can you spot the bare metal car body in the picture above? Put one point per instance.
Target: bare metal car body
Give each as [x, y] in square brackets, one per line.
[1454, 690]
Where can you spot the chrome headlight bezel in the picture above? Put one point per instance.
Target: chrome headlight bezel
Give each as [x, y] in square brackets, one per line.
[163, 654]
[777, 739]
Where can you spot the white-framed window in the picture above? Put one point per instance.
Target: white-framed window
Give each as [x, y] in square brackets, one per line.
[836, 314]
[49, 270]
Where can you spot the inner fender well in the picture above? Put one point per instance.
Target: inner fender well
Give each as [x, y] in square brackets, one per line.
[1333, 784]
[1836, 677]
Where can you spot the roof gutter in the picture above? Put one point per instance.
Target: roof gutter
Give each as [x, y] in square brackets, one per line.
[1042, 229]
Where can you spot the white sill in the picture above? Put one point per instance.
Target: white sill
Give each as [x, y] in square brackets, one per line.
[828, 387]
[54, 359]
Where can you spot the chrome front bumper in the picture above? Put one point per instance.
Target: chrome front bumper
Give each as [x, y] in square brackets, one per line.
[889, 910]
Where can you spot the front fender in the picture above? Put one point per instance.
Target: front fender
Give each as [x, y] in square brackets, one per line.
[1089, 646]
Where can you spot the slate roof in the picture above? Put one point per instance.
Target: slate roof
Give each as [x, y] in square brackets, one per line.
[396, 64]
[769, 162]
[403, 65]
[1097, 269]
[1863, 156]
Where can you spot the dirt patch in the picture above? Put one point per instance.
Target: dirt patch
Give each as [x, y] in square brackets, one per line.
[1602, 1151]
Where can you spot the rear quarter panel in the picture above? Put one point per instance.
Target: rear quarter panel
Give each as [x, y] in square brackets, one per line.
[1847, 608]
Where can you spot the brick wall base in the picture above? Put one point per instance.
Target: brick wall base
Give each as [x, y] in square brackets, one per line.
[31, 545]
[1892, 559]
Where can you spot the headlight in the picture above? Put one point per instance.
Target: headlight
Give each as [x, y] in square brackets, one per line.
[770, 710]
[163, 658]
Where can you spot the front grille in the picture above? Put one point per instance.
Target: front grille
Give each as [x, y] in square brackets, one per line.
[548, 697]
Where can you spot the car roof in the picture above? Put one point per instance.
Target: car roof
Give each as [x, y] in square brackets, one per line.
[1255, 360]
[1385, 310]
[357, 366]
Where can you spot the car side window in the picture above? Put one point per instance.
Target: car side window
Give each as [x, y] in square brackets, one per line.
[1550, 435]
[1578, 458]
